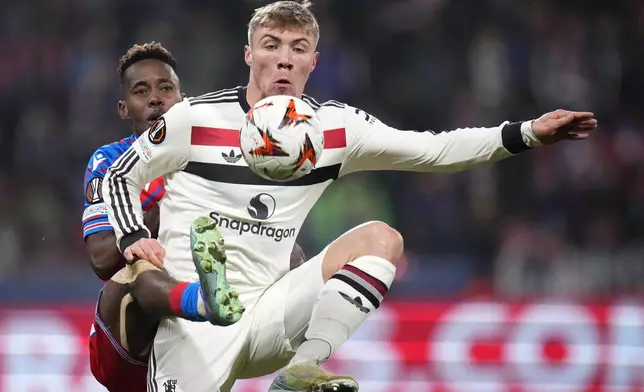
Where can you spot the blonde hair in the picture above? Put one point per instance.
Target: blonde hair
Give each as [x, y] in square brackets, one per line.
[285, 13]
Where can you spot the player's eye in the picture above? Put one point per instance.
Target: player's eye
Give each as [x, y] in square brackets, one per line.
[271, 46]
[299, 50]
[167, 89]
[141, 91]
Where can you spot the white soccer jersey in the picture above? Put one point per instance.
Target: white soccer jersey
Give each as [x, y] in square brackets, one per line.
[195, 145]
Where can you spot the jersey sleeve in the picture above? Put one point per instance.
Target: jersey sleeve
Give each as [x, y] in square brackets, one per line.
[162, 149]
[375, 146]
[95, 217]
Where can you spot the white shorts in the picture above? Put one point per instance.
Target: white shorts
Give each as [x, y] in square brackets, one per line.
[200, 357]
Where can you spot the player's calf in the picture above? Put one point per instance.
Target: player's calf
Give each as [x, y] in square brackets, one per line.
[222, 304]
[211, 299]
[160, 295]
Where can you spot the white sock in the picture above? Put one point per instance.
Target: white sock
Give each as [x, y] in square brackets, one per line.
[201, 306]
[344, 303]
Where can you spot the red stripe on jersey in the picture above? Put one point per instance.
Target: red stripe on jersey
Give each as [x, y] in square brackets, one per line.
[206, 136]
[335, 138]
[219, 137]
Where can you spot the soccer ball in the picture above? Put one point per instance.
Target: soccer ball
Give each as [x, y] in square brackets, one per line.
[281, 138]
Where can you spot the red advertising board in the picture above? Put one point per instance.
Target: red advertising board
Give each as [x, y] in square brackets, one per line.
[418, 347]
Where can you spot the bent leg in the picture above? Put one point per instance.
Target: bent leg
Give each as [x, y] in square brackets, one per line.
[210, 299]
[358, 269]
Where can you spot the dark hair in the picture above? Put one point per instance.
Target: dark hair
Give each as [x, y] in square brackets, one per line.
[150, 50]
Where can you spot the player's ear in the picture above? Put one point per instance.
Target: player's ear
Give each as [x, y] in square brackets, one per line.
[248, 56]
[316, 55]
[121, 108]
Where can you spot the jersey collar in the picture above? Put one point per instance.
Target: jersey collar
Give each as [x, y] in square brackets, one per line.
[241, 97]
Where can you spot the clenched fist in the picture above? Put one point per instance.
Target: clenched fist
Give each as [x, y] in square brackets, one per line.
[563, 125]
[145, 249]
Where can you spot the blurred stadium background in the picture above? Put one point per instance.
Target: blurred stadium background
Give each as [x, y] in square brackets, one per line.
[522, 276]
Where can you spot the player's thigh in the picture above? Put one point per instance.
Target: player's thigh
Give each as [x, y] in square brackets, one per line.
[281, 316]
[302, 289]
[197, 357]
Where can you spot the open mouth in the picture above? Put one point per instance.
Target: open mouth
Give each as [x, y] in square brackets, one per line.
[283, 82]
[154, 117]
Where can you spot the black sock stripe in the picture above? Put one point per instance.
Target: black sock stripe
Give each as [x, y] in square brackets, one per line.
[353, 269]
[357, 287]
[359, 277]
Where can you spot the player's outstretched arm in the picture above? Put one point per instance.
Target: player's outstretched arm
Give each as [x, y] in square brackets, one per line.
[376, 146]
[162, 149]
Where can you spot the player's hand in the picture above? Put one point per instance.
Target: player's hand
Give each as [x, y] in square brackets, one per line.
[145, 249]
[563, 125]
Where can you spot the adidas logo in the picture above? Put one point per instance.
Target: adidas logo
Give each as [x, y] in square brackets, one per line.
[231, 158]
[357, 302]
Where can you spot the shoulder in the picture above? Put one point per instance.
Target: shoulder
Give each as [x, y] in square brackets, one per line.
[331, 113]
[97, 167]
[316, 105]
[118, 147]
[337, 109]
[106, 154]
[229, 95]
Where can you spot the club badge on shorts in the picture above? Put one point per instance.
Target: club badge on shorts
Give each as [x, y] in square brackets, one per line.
[156, 135]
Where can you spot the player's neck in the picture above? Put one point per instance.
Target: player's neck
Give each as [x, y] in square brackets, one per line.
[253, 94]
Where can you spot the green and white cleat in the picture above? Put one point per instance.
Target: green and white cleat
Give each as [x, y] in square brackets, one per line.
[310, 377]
[222, 301]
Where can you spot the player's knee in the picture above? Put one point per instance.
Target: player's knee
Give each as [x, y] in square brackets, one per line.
[383, 241]
[131, 272]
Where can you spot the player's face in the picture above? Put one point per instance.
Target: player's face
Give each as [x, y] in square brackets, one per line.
[151, 88]
[280, 60]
